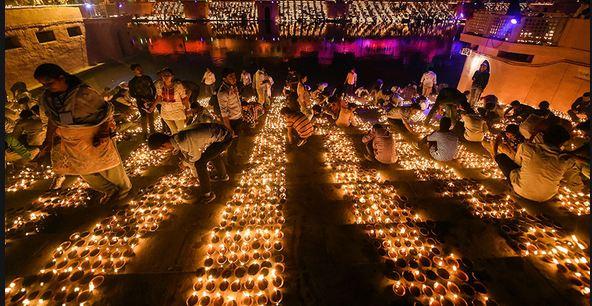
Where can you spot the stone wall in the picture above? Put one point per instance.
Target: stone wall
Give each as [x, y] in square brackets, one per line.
[22, 24]
[108, 39]
[556, 74]
[559, 83]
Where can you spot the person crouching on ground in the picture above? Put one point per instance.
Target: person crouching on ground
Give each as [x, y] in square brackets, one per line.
[198, 144]
[380, 145]
[441, 144]
[297, 121]
[538, 169]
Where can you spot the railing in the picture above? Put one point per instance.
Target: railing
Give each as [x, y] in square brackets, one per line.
[544, 30]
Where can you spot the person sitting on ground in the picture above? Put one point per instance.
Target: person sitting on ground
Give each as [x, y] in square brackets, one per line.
[29, 129]
[319, 95]
[409, 92]
[543, 109]
[442, 144]
[582, 154]
[362, 92]
[16, 151]
[251, 113]
[534, 125]
[518, 111]
[450, 99]
[383, 94]
[380, 145]
[318, 111]
[333, 106]
[200, 114]
[298, 122]
[346, 116]
[539, 169]
[405, 114]
[24, 100]
[581, 106]
[505, 142]
[198, 145]
[490, 115]
[475, 125]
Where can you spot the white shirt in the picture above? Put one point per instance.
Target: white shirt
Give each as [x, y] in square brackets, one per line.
[193, 142]
[475, 127]
[446, 145]
[229, 101]
[246, 78]
[428, 79]
[543, 169]
[384, 147]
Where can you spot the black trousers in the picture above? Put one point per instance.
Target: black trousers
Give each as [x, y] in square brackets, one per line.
[506, 164]
[212, 153]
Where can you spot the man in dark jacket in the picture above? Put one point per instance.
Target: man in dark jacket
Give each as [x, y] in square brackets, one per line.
[141, 87]
[480, 80]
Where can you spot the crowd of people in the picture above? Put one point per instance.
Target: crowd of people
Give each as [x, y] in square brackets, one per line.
[75, 124]
[204, 122]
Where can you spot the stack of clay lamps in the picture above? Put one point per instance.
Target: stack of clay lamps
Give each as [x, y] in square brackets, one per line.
[244, 264]
[29, 220]
[420, 269]
[77, 267]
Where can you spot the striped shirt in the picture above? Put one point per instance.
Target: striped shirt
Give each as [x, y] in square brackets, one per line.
[301, 124]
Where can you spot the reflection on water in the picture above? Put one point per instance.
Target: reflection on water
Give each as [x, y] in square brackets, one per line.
[389, 51]
[292, 40]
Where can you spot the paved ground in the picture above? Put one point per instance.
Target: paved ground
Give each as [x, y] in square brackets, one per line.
[329, 258]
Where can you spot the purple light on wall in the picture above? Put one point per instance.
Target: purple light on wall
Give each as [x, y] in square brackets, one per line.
[513, 21]
[461, 15]
[120, 5]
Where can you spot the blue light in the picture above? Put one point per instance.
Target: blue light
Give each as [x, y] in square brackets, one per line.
[513, 21]
[88, 5]
[461, 15]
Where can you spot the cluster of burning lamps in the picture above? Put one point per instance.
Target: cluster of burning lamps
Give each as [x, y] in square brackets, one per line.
[29, 220]
[79, 264]
[28, 176]
[419, 267]
[534, 236]
[243, 264]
